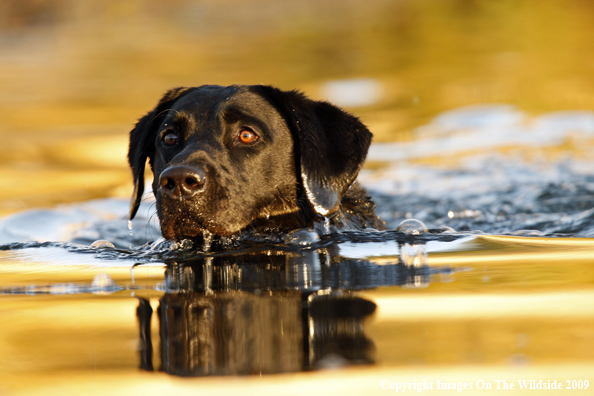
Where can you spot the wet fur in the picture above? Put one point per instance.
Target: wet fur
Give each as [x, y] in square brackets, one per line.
[301, 171]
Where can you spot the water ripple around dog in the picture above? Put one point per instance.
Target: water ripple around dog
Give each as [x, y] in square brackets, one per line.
[162, 250]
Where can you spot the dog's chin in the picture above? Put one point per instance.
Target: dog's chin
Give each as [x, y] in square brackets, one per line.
[190, 220]
[195, 230]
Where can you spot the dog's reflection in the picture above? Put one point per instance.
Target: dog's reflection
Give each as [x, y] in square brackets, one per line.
[230, 333]
[266, 313]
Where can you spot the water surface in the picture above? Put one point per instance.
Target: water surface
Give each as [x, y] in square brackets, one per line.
[484, 131]
[498, 287]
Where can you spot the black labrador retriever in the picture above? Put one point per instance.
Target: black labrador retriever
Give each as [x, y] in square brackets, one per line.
[230, 160]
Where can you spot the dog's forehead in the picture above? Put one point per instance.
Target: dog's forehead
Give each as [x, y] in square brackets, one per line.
[205, 97]
[212, 101]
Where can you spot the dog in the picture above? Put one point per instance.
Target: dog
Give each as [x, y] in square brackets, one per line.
[237, 159]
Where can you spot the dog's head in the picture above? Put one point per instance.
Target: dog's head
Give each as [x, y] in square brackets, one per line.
[225, 158]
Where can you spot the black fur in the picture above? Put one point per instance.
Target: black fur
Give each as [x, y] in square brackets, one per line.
[301, 168]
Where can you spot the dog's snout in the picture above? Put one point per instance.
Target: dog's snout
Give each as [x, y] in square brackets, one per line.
[182, 181]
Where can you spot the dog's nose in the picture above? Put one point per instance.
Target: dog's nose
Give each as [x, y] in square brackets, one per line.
[182, 181]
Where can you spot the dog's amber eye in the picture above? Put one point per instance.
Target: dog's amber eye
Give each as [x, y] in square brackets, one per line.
[246, 136]
[170, 139]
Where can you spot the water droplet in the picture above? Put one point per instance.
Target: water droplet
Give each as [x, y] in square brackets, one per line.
[130, 227]
[303, 236]
[326, 225]
[102, 244]
[412, 227]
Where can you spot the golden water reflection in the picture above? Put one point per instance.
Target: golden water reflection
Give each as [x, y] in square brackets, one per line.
[75, 76]
[495, 316]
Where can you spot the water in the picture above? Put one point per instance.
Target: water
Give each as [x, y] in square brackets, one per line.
[481, 168]
[500, 178]
[488, 265]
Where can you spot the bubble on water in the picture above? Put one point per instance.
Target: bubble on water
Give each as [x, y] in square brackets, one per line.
[303, 236]
[102, 244]
[446, 229]
[412, 227]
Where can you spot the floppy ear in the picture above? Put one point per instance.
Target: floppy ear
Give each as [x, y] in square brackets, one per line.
[142, 143]
[330, 145]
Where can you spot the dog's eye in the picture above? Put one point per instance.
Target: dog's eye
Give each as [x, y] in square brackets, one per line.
[169, 139]
[246, 136]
